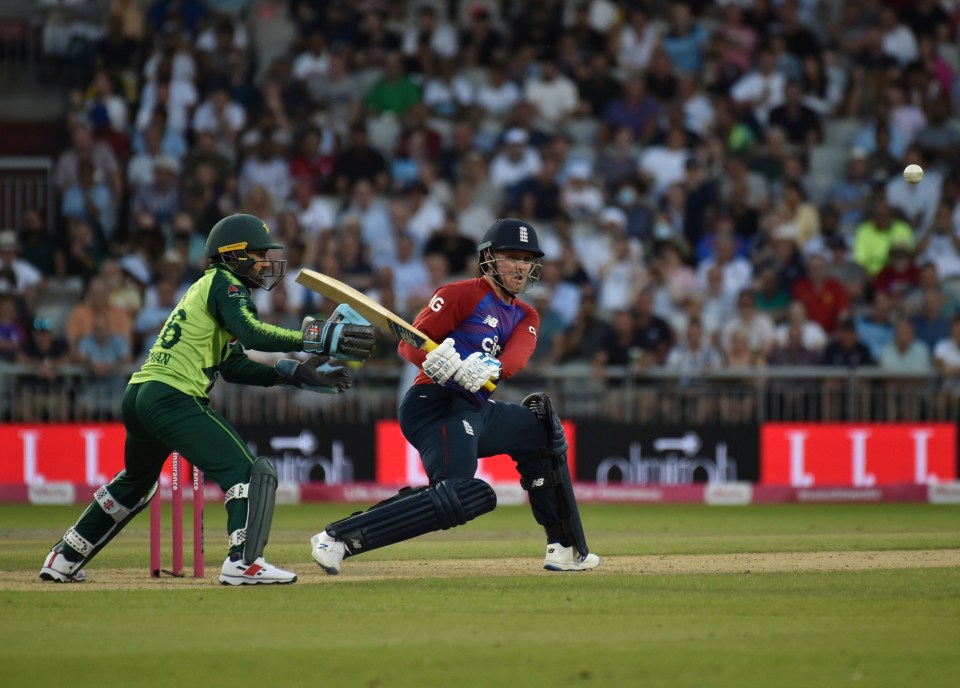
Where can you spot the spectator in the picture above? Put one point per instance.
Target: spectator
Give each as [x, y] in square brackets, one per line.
[267, 168]
[812, 335]
[12, 333]
[825, 299]
[480, 41]
[459, 250]
[539, 196]
[554, 95]
[375, 40]
[905, 354]
[695, 356]
[597, 87]
[898, 40]
[684, 39]
[37, 246]
[40, 393]
[102, 352]
[847, 350]
[220, 115]
[940, 244]
[875, 236]
[762, 89]
[516, 160]
[90, 199]
[18, 277]
[900, 275]
[875, 329]
[441, 37]
[758, 327]
[150, 319]
[736, 272]
[407, 271]
[580, 198]
[636, 39]
[66, 173]
[312, 65]
[931, 324]
[849, 195]
[800, 122]
[161, 197]
[395, 92]
[791, 350]
[946, 358]
[635, 109]
[337, 94]
[96, 301]
[360, 161]
[497, 95]
[665, 165]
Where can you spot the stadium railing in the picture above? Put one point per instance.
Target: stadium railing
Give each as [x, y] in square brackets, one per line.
[653, 396]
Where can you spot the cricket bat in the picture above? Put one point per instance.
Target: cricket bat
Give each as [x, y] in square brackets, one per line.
[382, 318]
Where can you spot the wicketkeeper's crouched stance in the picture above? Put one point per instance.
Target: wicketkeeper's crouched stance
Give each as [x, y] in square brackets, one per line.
[166, 407]
[450, 419]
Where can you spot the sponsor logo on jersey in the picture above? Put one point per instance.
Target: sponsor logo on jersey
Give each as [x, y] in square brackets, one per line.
[233, 291]
[491, 321]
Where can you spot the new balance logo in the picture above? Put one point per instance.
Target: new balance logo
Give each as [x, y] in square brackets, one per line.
[538, 482]
[491, 321]
[524, 234]
[356, 543]
[468, 428]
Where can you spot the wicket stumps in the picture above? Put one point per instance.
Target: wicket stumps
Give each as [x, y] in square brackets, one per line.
[176, 491]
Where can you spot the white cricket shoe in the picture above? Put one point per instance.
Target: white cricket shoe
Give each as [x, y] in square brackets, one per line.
[560, 558]
[239, 572]
[58, 569]
[327, 552]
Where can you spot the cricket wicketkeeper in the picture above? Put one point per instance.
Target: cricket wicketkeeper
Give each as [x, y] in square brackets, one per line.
[166, 406]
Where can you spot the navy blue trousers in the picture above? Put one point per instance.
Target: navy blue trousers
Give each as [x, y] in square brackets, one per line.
[452, 434]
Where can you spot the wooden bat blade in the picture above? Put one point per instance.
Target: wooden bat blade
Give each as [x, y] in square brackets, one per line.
[380, 317]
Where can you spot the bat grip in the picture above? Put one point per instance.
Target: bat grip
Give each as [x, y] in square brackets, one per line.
[430, 345]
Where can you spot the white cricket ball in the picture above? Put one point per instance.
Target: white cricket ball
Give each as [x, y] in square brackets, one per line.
[913, 173]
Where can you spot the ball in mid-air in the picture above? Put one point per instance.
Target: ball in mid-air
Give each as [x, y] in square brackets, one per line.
[913, 173]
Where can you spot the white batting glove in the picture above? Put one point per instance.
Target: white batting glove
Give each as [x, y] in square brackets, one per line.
[441, 363]
[476, 370]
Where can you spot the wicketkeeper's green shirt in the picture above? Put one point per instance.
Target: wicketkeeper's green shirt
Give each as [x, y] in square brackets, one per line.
[206, 333]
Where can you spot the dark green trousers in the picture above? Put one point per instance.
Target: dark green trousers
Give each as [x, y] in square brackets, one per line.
[160, 419]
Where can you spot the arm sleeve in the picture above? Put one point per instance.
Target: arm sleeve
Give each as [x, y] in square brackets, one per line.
[520, 345]
[230, 302]
[447, 308]
[239, 368]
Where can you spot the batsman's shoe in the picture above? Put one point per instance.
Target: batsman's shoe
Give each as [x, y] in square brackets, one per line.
[327, 552]
[235, 571]
[58, 569]
[560, 558]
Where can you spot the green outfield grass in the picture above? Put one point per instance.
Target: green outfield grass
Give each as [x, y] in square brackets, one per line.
[630, 623]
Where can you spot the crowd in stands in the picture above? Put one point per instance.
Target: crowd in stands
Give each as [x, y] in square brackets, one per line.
[716, 184]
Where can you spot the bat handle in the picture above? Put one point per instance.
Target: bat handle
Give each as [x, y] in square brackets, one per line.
[430, 345]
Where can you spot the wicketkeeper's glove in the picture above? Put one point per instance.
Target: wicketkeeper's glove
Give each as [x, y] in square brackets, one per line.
[346, 335]
[316, 374]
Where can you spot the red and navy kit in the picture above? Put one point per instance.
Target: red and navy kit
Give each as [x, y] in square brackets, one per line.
[471, 313]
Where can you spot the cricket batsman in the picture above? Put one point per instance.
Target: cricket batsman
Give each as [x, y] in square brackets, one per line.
[487, 334]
